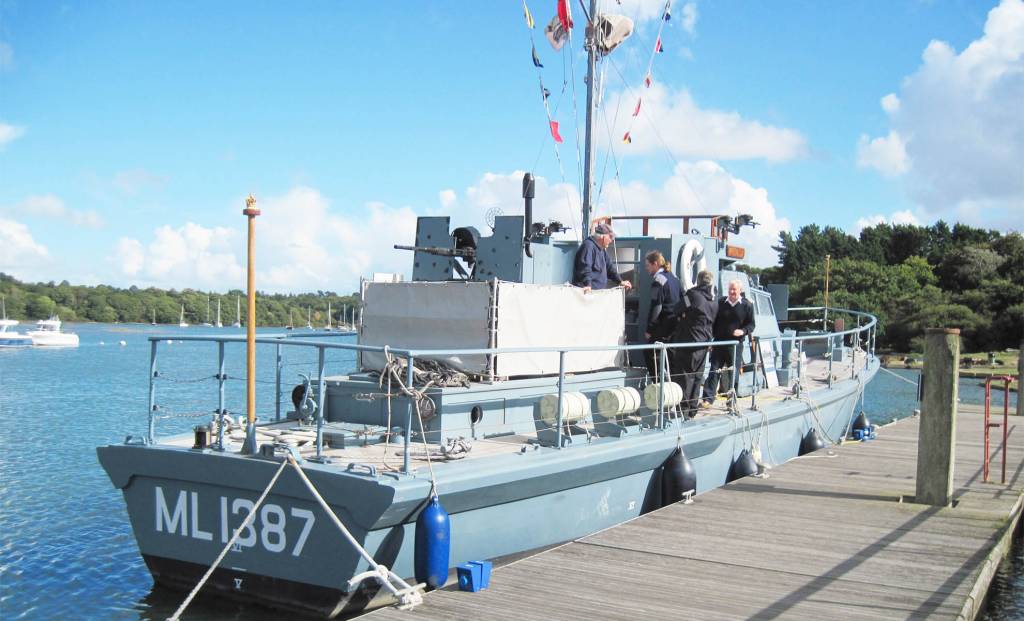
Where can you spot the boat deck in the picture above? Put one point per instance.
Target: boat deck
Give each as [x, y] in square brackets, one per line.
[827, 536]
[388, 456]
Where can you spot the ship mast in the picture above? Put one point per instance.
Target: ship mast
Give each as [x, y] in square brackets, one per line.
[590, 44]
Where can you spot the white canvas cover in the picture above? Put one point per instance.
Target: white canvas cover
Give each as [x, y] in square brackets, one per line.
[427, 315]
[614, 30]
[457, 315]
[557, 316]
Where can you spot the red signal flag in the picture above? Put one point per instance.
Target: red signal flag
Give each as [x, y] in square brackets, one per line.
[564, 14]
[637, 110]
[554, 131]
[627, 138]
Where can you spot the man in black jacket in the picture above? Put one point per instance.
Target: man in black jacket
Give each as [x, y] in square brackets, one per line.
[735, 321]
[664, 313]
[696, 317]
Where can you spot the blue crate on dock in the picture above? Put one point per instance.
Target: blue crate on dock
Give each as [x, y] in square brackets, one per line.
[863, 435]
[474, 575]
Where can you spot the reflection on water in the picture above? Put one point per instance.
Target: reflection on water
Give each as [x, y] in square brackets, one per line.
[66, 548]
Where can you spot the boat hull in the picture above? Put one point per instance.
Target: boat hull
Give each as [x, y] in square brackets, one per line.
[185, 504]
[20, 340]
[51, 339]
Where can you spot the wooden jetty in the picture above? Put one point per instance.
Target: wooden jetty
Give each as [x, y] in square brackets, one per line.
[827, 536]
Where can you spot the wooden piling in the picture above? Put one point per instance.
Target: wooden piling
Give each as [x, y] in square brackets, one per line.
[937, 433]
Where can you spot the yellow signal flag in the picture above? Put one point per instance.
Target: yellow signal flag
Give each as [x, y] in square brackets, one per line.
[526, 14]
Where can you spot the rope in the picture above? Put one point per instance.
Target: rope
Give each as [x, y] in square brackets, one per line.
[407, 595]
[220, 557]
[173, 380]
[393, 368]
[897, 375]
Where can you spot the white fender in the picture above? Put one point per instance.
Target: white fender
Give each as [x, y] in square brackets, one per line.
[691, 262]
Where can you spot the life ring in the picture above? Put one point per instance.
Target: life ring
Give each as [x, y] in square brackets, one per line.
[691, 262]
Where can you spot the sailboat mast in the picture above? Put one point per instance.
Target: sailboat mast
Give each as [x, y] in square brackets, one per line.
[588, 162]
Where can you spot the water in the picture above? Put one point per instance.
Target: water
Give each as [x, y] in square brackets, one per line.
[66, 548]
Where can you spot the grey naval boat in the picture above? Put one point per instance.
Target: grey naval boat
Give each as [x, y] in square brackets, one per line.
[522, 402]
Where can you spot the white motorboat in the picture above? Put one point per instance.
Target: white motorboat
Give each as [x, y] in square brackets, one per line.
[10, 338]
[48, 334]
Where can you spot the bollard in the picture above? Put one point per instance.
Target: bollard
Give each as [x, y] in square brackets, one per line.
[937, 431]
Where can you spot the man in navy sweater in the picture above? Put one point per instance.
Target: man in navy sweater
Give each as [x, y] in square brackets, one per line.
[735, 321]
[593, 269]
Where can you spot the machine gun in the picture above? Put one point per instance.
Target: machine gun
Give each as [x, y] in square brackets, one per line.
[463, 253]
[466, 239]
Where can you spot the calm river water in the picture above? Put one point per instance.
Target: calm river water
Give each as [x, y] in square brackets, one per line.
[66, 549]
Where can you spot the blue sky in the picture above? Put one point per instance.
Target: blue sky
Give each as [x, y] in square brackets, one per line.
[130, 133]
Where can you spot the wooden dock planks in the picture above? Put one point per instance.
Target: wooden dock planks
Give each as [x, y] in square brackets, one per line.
[824, 537]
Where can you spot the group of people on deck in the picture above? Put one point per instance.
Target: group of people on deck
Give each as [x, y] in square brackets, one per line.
[677, 316]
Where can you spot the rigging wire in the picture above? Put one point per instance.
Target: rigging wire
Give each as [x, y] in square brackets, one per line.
[668, 151]
[547, 110]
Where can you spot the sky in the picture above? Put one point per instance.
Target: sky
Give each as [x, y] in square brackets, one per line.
[131, 132]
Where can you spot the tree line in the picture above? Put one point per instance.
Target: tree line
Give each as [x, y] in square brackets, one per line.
[102, 303]
[912, 278]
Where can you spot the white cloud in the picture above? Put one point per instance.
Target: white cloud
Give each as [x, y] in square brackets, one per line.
[703, 187]
[9, 133]
[303, 243]
[690, 17]
[959, 117]
[6, 56]
[187, 256]
[19, 252]
[891, 103]
[447, 198]
[888, 154]
[53, 209]
[131, 256]
[897, 217]
[692, 132]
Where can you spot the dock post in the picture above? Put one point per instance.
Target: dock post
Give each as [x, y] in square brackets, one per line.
[936, 436]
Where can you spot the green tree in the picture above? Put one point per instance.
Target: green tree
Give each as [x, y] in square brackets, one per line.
[40, 307]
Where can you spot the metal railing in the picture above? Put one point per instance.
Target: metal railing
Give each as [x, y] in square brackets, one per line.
[410, 355]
